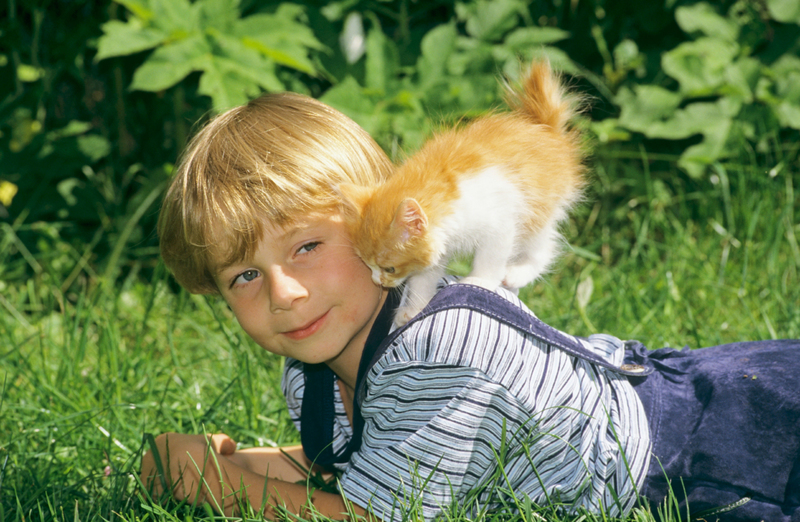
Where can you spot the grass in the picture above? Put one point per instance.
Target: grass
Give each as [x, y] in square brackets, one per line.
[86, 369]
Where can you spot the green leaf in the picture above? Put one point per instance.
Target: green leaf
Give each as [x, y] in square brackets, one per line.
[382, 60]
[786, 96]
[489, 20]
[140, 9]
[122, 39]
[787, 11]
[645, 106]
[226, 87]
[700, 66]
[703, 18]
[741, 78]
[698, 118]
[73, 128]
[348, 97]
[219, 14]
[234, 56]
[471, 56]
[175, 16]
[524, 38]
[280, 37]
[557, 58]
[437, 45]
[171, 63]
[94, 147]
[65, 187]
[287, 58]
[626, 55]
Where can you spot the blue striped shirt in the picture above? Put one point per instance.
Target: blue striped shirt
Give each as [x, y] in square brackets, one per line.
[460, 402]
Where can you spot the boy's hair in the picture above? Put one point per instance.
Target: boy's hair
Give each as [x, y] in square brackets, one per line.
[273, 160]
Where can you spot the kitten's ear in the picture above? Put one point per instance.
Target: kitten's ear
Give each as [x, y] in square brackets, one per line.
[410, 219]
[353, 198]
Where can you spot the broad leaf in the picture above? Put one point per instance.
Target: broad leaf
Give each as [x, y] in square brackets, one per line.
[700, 66]
[645, 106]
[382, 61]
[239, 58]
[437, 45]
[225, 85]
[121, 39]
[787, 11]
[703, 18]
[347, 96]
[176, 16]
[222, 15]
[787, 91]
[280, 37]
[170, 64]
[489, 20]
[524, 38]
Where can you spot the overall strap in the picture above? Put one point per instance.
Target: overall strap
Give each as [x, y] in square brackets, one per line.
[493, 305]
[486, 302]
[318, 410]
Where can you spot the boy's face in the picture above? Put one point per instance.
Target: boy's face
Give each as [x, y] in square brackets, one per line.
[305, 294]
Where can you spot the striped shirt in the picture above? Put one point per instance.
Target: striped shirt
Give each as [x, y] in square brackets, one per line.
[463, 408]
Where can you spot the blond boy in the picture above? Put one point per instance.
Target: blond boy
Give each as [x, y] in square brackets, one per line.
[460, 396]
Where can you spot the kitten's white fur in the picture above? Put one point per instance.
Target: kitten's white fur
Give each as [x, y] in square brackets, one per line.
[485, 222]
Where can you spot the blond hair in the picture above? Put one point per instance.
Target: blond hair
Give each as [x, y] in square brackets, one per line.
[273, 160]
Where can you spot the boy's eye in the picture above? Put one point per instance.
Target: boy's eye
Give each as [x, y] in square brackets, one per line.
[308, 247]
[388, 269]
[246, 277]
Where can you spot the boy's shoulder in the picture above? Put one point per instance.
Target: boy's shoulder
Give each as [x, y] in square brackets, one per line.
[464, 318]
[462, 327]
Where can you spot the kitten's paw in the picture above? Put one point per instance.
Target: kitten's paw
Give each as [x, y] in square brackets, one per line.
[489, 284]
[518, 276]
[404, 314]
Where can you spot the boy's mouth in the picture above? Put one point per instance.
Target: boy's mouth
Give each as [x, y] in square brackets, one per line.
[307, 330]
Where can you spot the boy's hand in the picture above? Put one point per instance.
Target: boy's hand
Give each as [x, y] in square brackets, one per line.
[222, 444]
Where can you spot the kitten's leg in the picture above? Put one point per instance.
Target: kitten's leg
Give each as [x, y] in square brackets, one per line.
[491, 258]
[535, 256]
[420, 289]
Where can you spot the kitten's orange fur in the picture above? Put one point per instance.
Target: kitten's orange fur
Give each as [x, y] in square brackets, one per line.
[497, 187]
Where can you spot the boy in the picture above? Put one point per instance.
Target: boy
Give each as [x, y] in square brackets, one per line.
[474, 390]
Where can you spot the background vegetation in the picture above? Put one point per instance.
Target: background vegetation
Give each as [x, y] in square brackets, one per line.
[688, 236]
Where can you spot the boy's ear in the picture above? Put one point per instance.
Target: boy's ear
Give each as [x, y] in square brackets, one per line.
[410, 220]
[353, 198]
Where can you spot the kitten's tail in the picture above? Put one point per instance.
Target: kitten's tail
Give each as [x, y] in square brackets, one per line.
[543, 98]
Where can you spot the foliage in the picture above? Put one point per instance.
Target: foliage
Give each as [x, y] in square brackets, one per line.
[237, 55]
[734, 86]
[395, 102]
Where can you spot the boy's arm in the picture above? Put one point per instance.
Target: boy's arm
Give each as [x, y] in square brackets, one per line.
[220, 477]
[287, 463]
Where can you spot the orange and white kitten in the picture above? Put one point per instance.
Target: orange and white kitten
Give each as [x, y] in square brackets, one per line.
[497, 187]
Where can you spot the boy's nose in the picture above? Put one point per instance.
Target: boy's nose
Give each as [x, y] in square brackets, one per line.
[284, 290]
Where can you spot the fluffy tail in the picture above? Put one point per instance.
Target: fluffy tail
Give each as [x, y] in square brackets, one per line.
[543, 98]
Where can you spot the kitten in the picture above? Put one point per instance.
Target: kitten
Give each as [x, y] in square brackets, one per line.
[497, 187]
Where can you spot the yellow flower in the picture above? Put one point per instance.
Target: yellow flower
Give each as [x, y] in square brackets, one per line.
[7, 192]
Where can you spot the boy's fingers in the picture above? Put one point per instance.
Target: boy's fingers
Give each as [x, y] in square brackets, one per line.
[223, 444]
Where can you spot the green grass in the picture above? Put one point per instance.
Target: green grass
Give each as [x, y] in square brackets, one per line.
[86, 369]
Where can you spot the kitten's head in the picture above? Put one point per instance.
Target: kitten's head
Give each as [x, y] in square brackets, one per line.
[391, 238]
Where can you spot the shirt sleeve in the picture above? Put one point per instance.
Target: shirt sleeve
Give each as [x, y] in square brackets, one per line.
[433, 446]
